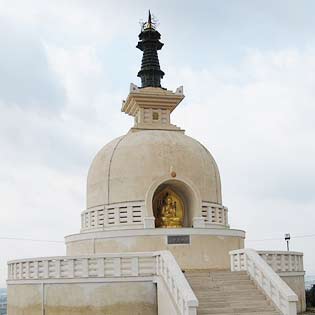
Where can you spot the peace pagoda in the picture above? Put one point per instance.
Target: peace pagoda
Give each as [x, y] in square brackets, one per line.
[155, 237]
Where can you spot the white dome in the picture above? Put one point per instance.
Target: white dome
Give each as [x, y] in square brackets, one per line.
[124, 169]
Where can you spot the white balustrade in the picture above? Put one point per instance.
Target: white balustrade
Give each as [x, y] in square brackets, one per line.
[169, 271]
[109, 268]
[131, 214]
[283, 262]
[109, 216]
[68, 267]
[214, 214]
[265, 278]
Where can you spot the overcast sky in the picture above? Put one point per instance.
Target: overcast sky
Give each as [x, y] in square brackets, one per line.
[248, 70]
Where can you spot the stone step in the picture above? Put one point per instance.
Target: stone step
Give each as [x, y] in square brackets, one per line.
[240, 313]
[223, 281]
[253, 296]
[226, 293]
[229, 290]
[230, 297]
[206, 272]
[237, 310]
[208, 304]
[227, 287]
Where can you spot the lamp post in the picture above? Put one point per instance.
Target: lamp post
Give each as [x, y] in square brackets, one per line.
[287, 238]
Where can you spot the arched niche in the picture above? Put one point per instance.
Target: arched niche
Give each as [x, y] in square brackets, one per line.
[182, 188]
[169, 207]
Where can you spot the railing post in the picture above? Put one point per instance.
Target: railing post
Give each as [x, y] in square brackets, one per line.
[117, 267]
[135, 266]
[292, 308]
[85, 268]
[100, 267]
[57, 268]
[46, 269]
[274, 262]
[232, 262]
[267, 279]
[70, 264]
[105, 221]
[35, 269]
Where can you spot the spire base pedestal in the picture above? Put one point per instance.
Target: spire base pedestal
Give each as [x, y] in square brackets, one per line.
[152, 107]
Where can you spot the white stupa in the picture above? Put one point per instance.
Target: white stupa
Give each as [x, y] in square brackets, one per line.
[155, 237]
[132, 177]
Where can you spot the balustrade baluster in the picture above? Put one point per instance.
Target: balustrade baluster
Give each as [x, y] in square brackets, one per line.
[282, 263]
[105, 222]
[36, 272]
[97, 218]
[27, 270]
[70, 264]
[100, 267]
[238, 262]
[117, 266]
[129, 215]
[135, 266]
[21, 270]
[85, 267]
[116, 215]
[57, 268]
[46, 269]
[216, 214]
[301, 267]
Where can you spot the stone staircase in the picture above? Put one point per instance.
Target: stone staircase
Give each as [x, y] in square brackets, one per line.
[226, 293]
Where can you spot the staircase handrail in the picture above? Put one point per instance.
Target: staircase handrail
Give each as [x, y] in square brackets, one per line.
[266, 278]
[180, 290]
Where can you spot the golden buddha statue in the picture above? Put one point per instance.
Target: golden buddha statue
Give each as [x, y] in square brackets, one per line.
[168, 214]
[169, 210]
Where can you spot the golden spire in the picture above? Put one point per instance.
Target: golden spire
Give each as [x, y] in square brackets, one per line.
[149, 23]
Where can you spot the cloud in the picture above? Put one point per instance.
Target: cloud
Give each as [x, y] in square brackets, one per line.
[26, 79]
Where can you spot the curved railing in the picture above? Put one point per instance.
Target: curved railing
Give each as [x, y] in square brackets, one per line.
[214, 214]
[265, 277]
[283, 262]
[96, 266]
[131, 215]
[128, 214]
[109, 268]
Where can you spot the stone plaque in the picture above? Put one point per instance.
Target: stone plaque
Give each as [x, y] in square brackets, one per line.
[178, 239]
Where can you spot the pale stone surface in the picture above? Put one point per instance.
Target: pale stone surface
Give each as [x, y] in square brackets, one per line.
[125, 168]
[115, 270]
[152, 107]
[127, 172]
[24, 300]
[119, 219]
[87, 299]
[289, 266]
[225, 292]
[297, 284]
[266, 279]
[165, 303]
[204, 251]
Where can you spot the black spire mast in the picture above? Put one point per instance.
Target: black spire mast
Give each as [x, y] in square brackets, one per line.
[149, 43]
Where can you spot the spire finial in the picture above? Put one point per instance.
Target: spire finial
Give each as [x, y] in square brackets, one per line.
[149, 43]
[149, 23]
